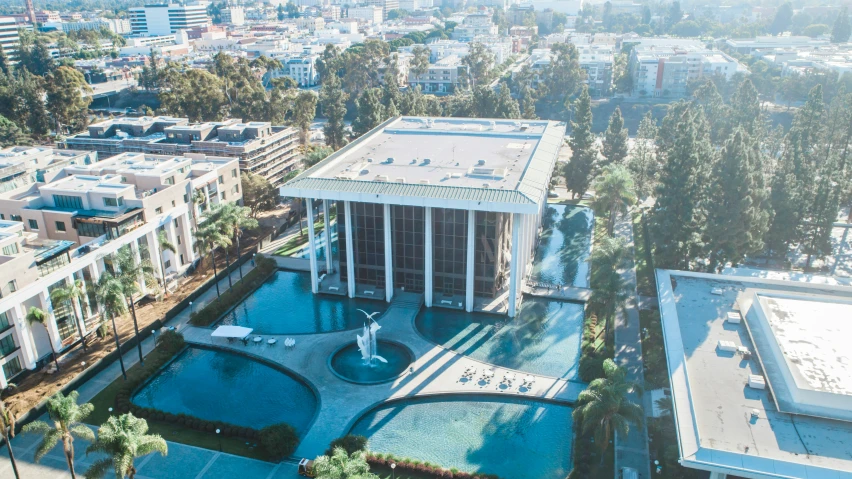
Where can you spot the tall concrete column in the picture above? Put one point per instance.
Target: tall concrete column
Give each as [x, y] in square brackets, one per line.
[388, 254]
[329, 265]
[207, 195]
[172, 236]
[513, 264]
[23, 335]
[312, 247]
[471, 232]
[428, 261]
[52, 328]
[81, 319]
[350, 256]
[186, 232]
[154, 252]
[95, 273]
[137, 258]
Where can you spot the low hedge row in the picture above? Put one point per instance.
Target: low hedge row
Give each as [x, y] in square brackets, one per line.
[278, 440]
[405, 465]
[209, 314]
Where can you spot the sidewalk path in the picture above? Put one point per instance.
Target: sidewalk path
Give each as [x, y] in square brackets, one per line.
[632, 450]
[182, 462]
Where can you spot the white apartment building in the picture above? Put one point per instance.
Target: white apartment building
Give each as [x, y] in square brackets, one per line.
[386, 6]
[748, 45]
[67, 229]
[300, 67]
[9, 36]
[235, 15]
[370, 14]
[443, 77]
[166, 19]
[474, 25]
[409, 5]
[26, 165]
[311, 24]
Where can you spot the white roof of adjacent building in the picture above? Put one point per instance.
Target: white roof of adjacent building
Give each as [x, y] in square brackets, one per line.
[797, 329]
[445, 162]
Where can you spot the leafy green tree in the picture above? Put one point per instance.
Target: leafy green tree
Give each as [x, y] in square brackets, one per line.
[738, 215]
[292, 10]
[677, 218]
[39, 316]
[150, 76]
[614, 148]
[193, 93]
[34, 114]
[235, 221]
[604, 408]
[67, 417]
[363, 64]
[132, 274]
[674, 16]
[304, 112]
[822, 215]
[506, 107]
[258, 194]
[11, 135]
[341, 465]
[110, 295]
[420, 62]
[643, 163]
[783, 19]
[34, 55]
[718, 114]
[614, 192]
[480, 63]
[123, 439]
[526, 103]
[370, 110]
[316, 154]
[207, 238]
[5, 66]
[330, 63]
[166, 245]
[563, 76]
[71, 293]
[745, 109]
[332, 99]
[65, 100]
[584, 152]
[412, 102]
[842, 29]
[816, 30]
[390, 89]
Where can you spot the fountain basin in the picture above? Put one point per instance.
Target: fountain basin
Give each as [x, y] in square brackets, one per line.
[347, 363]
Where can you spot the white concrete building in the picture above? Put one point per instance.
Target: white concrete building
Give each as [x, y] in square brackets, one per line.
[444, 76]
[759, 369]
[9, 39]
[166, 19]
[473, 26]
[369, 14]
[67, 229]
[447, 207]
[234, 14]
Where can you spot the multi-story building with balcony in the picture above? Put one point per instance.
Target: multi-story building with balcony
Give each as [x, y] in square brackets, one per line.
[444, 76]
[165, 19]
[262, 149]
[24, 165]
[67, 229]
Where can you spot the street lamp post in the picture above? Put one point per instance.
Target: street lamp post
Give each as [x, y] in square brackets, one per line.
[393, 472]
[219, 436]
[190, 308]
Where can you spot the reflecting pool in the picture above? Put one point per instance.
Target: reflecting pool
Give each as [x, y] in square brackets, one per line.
[285, 305]
[221, 386]
[562, 255]
[544, 337]
[349, 363]
[512, 438]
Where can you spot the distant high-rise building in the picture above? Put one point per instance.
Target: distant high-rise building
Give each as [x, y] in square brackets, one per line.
[386, 5]
[9, 36]
[166, 19]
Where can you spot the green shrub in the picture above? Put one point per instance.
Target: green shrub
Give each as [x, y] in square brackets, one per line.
[256, 277]
[279, 440]
[170, 342]
[349, 442]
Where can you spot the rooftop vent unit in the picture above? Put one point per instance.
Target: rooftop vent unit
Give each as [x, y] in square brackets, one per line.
[389, 161]
[480, 162]
[484, 172]
[756, 382]
[448, 175]
[400, 179]
[525, 126]
[426, 161]
[369, 160]
[733, 318]
[456, 175]
[492, 125]
[423, 181]
[486, 185]
[352, 172]
[382, 178]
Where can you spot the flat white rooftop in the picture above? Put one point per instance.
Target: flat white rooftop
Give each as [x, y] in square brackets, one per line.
[714, 405]
[504, 163]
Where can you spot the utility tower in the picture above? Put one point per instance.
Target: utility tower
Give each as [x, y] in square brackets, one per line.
[31, 12]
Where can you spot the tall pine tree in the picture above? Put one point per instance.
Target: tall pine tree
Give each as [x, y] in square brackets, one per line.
[745, 109]
[615, 140]
[678, 218]
[371, 112]
[842, 29]
[333, 102]
[737, 214]
[584, 152]
[643, 163]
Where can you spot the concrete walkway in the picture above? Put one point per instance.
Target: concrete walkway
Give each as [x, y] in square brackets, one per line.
[183, 461]
[435, 371]
[632, 450]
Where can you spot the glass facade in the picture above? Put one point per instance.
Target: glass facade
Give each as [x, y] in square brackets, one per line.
[408, 230]
[7, 345]
[449, 227]
[492, 233]
[64, 315]
[12, 367]
[368, 243]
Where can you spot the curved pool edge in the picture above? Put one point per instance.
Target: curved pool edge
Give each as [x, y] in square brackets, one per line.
[411, 356]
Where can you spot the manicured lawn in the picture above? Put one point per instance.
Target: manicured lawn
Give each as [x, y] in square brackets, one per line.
[644, 272]
[298, 241]
[173, 432]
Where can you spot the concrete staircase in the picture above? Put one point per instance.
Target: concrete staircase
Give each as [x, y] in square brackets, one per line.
[406, 300]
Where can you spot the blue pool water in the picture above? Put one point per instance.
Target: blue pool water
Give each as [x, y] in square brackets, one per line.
[512, 438]
[544, 338]
[562, 256]
[304, 252]
[349, 363]
[285, 305]
[220, 386]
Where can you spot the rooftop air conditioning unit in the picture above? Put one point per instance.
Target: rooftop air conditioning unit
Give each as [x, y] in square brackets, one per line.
[426, 161]
[382, 178]
[448, 175]
[457, 175]
[369, 160]
[733, 318]
[486, 185]
[423, 181]
[480, 162]
[400, 179]
[389, 161]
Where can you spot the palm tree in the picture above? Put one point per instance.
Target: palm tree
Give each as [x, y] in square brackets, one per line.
[7, 431]
[208, 238]
[614, 191]
[234, 220]
[198, 198]
[604, 408]
[36, 315]
[341, 465]
[130, 274]
[123, 439]
[71, 293]
[66, 415]
[165, 245]
[608, 286]
[110, 295]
